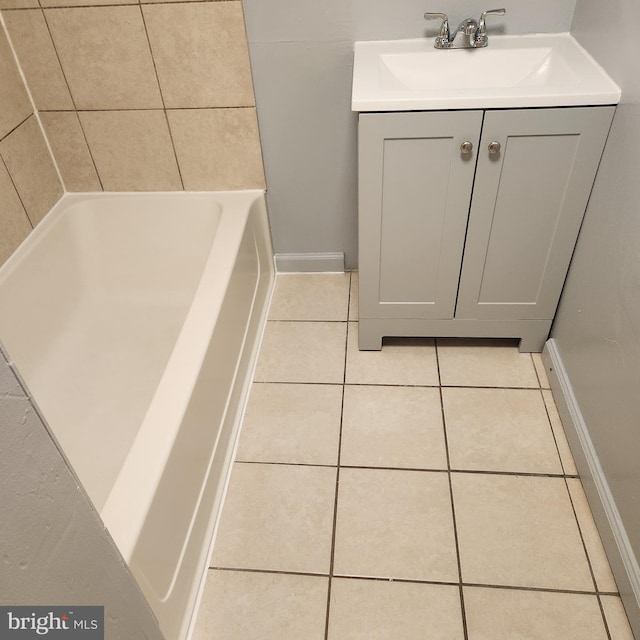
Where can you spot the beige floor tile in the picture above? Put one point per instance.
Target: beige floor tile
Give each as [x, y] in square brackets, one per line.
[294, 423]
[395, 524]
[353, 297]
[380, 610]
[541, 370]
[277, 517]
[237, 605]
[485, 363]
[562, 443]
[617, 621]
[506, 614]
[393, 427]
[518, 531]
[302, 352]
[304, 296]
[595, 550]
[401, 361]
[499, 430]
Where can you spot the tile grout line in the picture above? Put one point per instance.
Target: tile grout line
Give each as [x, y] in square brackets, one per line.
[486, 472]
[335, 502]
[478, 585]
[161, 92]
[453, 510]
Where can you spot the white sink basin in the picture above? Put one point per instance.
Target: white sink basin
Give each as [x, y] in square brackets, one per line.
[546, 70]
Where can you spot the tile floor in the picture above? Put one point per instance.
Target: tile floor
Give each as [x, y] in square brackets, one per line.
[424, 491]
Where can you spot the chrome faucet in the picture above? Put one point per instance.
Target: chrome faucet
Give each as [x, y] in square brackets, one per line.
[469, 34]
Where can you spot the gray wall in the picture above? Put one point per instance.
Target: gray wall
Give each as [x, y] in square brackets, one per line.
[301, 55]
[597, 328]
[53, 545]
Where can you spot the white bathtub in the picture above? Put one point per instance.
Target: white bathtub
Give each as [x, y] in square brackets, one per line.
[134, 320]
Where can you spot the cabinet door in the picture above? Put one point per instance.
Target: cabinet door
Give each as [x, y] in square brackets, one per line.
[414, 192]
[528, 203]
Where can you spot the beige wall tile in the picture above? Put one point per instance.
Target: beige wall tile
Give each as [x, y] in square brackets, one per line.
[38, 59]
[70, 150]
[218, 148]
[13, 218]
[15, 105]
[132, 150]
[201, 54]
[105, 56]
[83, 3]
[18, 4]
[31, 168]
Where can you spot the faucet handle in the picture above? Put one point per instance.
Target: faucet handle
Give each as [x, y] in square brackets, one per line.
[443, 37]
[481, 34]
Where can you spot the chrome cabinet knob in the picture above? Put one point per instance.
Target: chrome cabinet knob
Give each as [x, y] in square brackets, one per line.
[494, 147]
[466, 148]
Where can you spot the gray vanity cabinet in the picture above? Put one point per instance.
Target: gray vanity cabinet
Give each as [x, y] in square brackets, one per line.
[468, 219]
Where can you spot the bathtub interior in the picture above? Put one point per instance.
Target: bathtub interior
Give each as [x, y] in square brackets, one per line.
[94, 330]
[99, 344]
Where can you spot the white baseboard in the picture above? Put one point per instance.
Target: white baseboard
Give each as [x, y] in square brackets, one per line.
[309, 262]
[622, 558]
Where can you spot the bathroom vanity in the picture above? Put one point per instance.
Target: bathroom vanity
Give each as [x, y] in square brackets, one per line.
[471, 199]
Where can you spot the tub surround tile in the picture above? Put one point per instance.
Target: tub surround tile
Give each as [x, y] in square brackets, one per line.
[13, 218]
[277, 517]
[31, 168]
[18, 4]
[15, 105]
[485, 363]
[506, 614]
[499, 430]
[218, 148]
[291, 423]
[395, 524]
[401, 362]
[105, 57]
[83, 3]
[562, 443]
[597, 556]
[70, 150]
[377, 610]
[518, 531]
[310, 297]
[302, 352]
[132, 150]
[262, 605]
[194, 68]
[38, 59]
[393, 427]
[616, 618]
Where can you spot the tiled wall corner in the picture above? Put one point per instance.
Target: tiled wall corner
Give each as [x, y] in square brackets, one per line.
[142, 96]
[29, 183]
